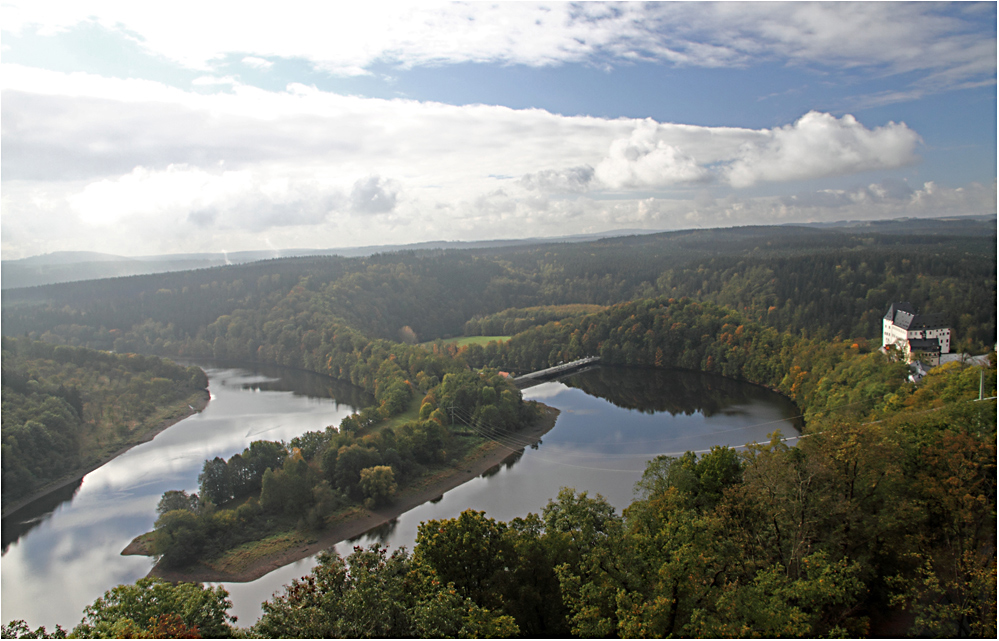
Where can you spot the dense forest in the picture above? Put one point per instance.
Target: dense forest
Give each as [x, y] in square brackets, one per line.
[65, 408]
[827, 283]
[882, 520]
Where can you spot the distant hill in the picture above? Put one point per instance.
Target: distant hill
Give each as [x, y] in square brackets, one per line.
[71, 266]
[65, 267]
[951, 226]
[62, 268]
[65, 258]
[823, 281]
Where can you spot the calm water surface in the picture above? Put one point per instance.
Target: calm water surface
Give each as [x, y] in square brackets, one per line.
[612, 421]
[62, 553]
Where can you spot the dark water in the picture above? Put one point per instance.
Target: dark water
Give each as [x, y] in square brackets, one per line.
[612, 421]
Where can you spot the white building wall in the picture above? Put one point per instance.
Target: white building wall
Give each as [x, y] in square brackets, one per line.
[942, 335]
[891, 334]
[898, 336]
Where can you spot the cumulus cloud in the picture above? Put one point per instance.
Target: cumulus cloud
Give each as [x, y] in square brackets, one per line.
[818, 145]
[374, 195]
[571, 180]
[645, 159]
[897, 192]
[893, 198]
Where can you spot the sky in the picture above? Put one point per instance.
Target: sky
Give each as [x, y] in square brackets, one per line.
[135, 128]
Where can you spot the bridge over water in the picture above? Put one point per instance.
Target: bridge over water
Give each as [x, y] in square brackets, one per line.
[561, 368]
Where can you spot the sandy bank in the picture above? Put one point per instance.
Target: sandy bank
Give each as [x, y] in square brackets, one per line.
[475, 464]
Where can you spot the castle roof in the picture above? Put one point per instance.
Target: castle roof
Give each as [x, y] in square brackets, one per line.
[904, 315]
[894, 308]
[924, 345]
[909, 321]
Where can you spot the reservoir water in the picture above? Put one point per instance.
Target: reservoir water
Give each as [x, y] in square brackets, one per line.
[61, 554]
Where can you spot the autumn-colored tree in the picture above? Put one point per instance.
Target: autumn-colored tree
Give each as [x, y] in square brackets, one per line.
[153, 606]
[378, 484]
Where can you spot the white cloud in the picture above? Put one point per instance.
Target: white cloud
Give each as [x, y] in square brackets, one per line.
[59, 126]
[946, 46]
[145, 192]
[571, 180]
[221, 199]
[645, 159]
[257, 63]
[819, 145]
[74, 125]
[657, 155]
[203, 81]
[136, 167]
[374, 195]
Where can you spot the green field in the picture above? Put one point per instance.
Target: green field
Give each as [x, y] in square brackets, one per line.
[412, 413]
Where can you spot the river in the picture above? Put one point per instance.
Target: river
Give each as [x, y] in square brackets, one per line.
[61, 554]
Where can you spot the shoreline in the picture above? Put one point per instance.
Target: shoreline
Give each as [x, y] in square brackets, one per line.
[479, 461]
[195, 405]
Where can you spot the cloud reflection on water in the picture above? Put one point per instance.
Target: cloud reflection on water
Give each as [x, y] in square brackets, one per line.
[71, 554]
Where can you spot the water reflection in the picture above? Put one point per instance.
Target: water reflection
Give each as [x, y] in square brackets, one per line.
[674, 391]
[308, 384]
[605, 435]
[22, 521]
[612, 422]
[600, 444]
[380, 534]
[506, 463]
[62, 552]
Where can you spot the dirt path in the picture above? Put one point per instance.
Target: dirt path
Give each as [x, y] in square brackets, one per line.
[478, 462]
[195, 404]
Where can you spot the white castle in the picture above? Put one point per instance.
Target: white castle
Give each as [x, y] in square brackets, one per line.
[915, 334]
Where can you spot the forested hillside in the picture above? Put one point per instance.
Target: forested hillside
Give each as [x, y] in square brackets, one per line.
[65, 408]
[826, 283]
[881, 521]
